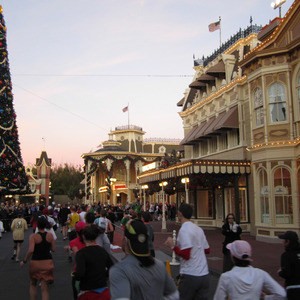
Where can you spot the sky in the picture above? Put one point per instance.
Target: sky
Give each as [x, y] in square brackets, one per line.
[75, 64]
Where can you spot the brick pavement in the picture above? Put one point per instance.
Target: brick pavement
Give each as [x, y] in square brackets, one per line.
[266, 256]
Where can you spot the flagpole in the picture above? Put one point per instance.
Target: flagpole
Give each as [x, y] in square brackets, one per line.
[220, 32]
[128, 115]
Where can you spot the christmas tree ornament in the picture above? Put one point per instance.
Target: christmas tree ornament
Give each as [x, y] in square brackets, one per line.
[13, 178]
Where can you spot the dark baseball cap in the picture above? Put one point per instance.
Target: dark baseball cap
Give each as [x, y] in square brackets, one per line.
[289, 235]
[137, 235]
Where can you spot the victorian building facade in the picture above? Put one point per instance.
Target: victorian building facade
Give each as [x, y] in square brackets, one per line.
[112, 171]
[241, 117]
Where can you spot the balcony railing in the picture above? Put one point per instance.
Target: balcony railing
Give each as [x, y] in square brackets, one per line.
[233, 39]
[126, 127]
[162, 140]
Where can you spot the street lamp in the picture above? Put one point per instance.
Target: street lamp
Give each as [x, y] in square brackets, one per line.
[186, 181]
[163, 225]
[144, 187]
[278, 3]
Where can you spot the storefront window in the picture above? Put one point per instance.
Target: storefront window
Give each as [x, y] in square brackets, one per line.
[283, 197]
[229, 201]
[264, 196]
[243, 204]
[204, 204]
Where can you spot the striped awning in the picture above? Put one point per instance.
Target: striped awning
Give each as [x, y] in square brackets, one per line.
[197, 167]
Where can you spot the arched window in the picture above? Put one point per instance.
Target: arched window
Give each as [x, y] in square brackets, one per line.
[277, 102]
[283, 197]
[258, 107]
[264, 196]
[298, 91]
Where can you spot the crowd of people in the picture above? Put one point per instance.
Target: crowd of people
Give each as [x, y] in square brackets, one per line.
[89, 231]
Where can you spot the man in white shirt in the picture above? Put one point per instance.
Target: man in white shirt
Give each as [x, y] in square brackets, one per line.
[191, 247]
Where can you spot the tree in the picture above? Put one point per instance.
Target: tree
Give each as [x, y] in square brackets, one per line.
[13, 179]
[65, 180]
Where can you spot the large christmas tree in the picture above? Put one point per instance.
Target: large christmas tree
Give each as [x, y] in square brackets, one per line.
[13, 178]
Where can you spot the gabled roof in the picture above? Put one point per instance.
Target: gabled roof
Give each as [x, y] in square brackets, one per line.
[43, 157]
[289, 21]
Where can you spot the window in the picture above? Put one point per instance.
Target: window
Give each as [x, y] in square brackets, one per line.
[203, 148]
[258, 107]
[298, 91]
[223, 142]
[264, 196]
[204, 204]
[243, 203]
[213, 145]
[229, 201]
[277, 102]
[283, 197]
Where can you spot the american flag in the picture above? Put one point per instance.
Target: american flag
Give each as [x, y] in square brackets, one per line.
[125, 109]
[214, 26]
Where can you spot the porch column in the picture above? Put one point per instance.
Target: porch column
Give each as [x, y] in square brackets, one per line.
[109, 163]
[127, 165]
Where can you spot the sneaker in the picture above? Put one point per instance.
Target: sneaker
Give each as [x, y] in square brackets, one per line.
[13, 257]
[17, 260]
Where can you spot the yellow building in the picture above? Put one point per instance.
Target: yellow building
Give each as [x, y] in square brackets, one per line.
[241, 116]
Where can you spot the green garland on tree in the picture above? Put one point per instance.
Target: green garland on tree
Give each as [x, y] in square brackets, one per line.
[13, 179]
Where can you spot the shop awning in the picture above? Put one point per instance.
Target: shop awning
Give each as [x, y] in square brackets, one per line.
[198, 166]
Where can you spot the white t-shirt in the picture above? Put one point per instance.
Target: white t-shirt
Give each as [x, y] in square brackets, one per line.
[192, 236]
[247, 283]
[82, 216]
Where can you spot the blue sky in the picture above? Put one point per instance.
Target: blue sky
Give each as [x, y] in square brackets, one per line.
[76, 64]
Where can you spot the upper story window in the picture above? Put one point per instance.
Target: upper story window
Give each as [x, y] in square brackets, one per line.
[258, 107]
[277, 102]
[298, 91]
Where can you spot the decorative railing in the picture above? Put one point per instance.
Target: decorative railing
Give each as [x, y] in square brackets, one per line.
[162, 140]
[233, 39]
[125, 127]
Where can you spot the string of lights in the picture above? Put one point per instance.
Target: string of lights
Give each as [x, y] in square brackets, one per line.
[103, 75]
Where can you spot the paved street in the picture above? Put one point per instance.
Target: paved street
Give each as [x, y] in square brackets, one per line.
[14, 281]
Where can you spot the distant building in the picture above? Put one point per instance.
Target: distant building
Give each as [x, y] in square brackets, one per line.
[43, 166]
[112, 170]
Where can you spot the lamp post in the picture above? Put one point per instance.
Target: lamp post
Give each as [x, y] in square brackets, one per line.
[163, 224]
[186, 181]
[277, 3]
[144, 187]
